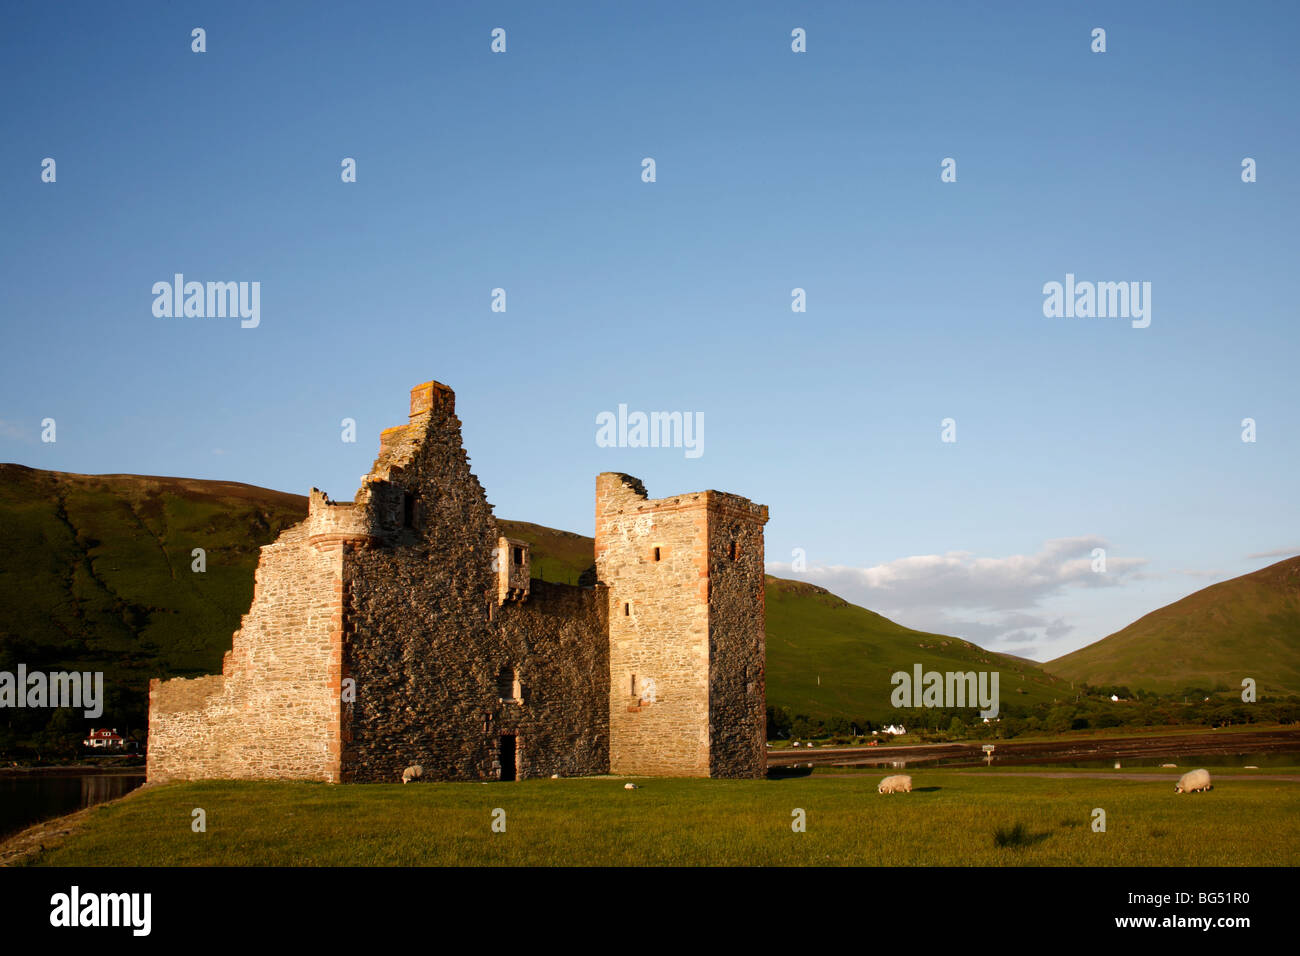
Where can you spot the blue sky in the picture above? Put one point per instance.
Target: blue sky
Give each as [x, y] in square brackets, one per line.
[775, 170]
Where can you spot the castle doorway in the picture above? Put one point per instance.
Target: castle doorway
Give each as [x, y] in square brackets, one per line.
[507, 756]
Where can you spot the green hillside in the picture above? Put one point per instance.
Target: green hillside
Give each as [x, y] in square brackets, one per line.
[829, 658]
[95, 574]
[1246, 627]
[560, 557]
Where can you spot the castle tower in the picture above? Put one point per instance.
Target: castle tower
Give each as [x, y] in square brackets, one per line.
[686, 630]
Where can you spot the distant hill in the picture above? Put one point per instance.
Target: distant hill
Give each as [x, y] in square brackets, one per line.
[829, 658]
[95, 574]
[1246, 627]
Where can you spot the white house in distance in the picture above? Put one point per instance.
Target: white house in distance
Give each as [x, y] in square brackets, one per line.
[897, 730]
[104, 739]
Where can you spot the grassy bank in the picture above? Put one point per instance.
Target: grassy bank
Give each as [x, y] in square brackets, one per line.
[952, 818]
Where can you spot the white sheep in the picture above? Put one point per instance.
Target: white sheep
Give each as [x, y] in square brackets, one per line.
[1193, 781]
[898, 783]
[630, 786]
[413, 772]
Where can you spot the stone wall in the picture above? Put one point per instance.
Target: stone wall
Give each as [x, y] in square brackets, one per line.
[431, 648]
[653, 556]
[558, 639]
[275, 710]
[686, 630]
[737, 639]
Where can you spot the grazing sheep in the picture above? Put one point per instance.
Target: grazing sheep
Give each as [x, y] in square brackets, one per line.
[1169, 765]
[413, 772]
[630, 786]
[1193, 781]
[898, 783]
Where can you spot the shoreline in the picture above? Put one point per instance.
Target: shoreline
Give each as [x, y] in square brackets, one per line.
[72, 770]
[20, 848]
[1263, 740]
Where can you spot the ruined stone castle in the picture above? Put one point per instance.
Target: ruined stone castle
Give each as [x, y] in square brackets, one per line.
[403, 628]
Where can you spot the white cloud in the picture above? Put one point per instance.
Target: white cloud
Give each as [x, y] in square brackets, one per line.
[1279, 553]
[990, 601]
[958, 579]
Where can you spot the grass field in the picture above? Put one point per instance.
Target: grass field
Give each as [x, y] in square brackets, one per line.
[964, 819]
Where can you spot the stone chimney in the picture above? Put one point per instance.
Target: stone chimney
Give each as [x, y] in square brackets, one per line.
[430, 396]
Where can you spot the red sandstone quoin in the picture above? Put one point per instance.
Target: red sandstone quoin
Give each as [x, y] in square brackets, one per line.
[402, 628]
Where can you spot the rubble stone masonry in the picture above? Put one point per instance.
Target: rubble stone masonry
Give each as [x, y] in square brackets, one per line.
[275, 709]
[685, 577]
[402, 628]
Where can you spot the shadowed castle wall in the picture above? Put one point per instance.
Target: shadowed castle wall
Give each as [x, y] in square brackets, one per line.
[429, 645]
[737, 640]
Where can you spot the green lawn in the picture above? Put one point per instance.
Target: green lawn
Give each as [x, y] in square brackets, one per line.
[951, 819]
